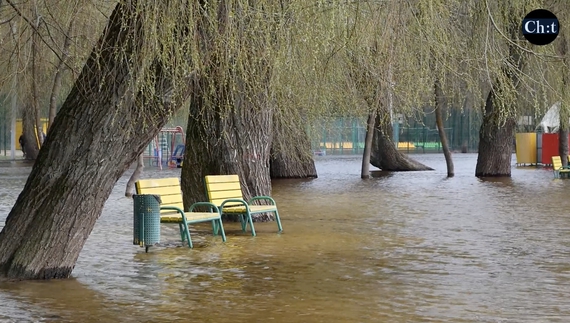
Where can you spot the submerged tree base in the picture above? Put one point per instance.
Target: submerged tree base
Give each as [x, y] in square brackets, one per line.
[386, 156]
[495, 144]
[21, 273]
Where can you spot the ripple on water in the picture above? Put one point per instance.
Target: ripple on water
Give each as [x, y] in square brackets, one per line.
[403, 247]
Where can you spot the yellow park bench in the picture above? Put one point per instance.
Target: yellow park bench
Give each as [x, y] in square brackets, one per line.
[172, 207]
[558, 169]
[225, 192]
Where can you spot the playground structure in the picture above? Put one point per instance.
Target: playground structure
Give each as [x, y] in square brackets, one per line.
[166, 149]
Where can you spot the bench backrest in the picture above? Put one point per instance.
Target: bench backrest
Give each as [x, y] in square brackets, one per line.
[556, 162]
[168, 189]
[223, 187]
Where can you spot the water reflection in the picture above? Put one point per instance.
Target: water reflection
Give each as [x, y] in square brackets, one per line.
[407, 247]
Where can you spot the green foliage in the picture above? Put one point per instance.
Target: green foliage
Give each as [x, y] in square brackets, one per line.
[314, 59]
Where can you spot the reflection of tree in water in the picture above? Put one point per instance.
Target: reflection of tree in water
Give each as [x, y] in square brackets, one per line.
[202, 278]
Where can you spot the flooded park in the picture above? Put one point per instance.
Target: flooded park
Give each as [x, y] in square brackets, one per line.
[402, 247]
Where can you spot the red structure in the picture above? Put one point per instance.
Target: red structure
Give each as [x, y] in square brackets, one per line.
[549, 147]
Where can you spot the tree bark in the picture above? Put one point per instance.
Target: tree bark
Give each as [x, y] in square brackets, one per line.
[96, 136]
[385, 155]
[439, 105]
[130, 190]
[495, 143]
[31, 148]
[238, 143]
[59, 74]
[365, 171]
[291, 155]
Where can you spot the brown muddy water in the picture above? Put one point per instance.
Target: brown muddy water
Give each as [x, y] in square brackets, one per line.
[407, 247]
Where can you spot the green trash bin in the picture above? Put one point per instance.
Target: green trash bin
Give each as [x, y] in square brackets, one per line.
[146, 224]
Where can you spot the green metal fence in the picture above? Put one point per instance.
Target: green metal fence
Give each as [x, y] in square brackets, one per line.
[345, 135]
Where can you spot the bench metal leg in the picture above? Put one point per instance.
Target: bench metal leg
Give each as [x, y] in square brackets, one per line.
[250, 220]
[186, 233]
[278, 220]
[221, 227]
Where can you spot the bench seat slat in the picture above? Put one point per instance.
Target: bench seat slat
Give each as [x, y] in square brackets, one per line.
[158, 182]
[191, 217]
[252, 209]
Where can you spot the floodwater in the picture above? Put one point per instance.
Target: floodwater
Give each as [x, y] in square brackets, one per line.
[407, 247]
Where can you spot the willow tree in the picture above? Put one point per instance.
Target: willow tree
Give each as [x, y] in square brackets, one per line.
[123, 96]
[230, 121]
[291, 153]
[559, 70]
[506, 65]
[42, 50]
[375, 59]
[438, 31]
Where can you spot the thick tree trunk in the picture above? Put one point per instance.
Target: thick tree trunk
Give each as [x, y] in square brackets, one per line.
[94, 139]
[563, 144]
[130, 190]
[219, 144]
[59, 74]
[365, 170]
[291, 155]
[495, 143]
[384, 153]
[439, 105]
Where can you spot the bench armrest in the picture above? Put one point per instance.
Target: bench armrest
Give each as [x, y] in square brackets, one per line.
[262, 198]
[240, 201]
[175, 208]
[211, 205]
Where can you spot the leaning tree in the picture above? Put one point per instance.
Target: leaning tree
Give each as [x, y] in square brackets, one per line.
[123, 96]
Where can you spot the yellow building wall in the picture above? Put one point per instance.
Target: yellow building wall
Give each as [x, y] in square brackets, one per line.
[19, 129]
[526, 148]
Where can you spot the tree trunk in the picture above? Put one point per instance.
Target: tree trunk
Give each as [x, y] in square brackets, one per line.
[59, 74]
[130, 190]
[96, 136]
[385, 155]
[563, 144]
[497, 131]
[495, 143]
[31, 148]
[291, 155]
[365, 171]
[35, 79]
[238, 143]
[439, 105]
[563, 112]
